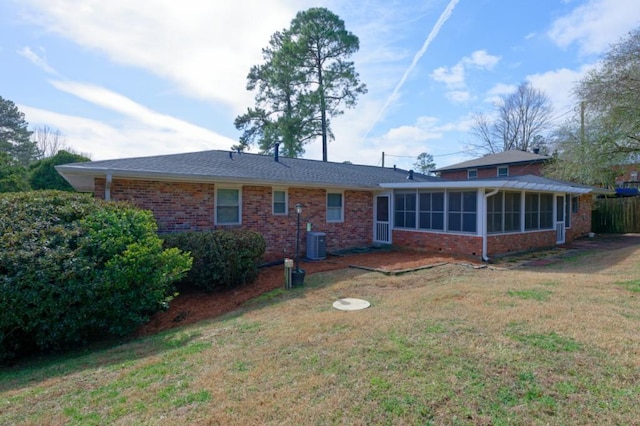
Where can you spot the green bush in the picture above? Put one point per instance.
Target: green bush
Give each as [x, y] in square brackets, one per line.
[221, 259]
[74, 269]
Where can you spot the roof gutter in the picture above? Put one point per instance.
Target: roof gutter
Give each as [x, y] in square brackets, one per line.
[107, 187]
[485, 256]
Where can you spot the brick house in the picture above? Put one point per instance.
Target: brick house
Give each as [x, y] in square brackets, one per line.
[353, 205]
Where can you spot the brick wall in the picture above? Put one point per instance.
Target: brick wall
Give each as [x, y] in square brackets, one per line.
[491, 172]
[581, 221]
[470, 245]
[498, 244]
[181, 206]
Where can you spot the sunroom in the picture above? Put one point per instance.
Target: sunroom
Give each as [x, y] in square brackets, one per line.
[482, 217]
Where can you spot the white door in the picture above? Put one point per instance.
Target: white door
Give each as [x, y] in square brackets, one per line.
[560, 229]
[382, 222]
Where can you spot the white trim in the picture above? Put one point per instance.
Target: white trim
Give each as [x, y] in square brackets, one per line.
[215, 205]
[498, 171]
[326, 205]
[469, 174]
[273, 201]
[489, 184]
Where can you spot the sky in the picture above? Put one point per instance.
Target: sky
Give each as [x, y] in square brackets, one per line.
[124, 78]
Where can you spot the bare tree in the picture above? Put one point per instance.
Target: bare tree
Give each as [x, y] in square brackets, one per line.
[48, 141]
[610, 95]
[520, 119]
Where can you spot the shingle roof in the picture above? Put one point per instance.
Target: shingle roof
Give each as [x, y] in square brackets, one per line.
[235, 167]
[513, 156]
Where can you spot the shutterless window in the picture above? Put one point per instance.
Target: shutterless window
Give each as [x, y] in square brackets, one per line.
[405, 210]
[431, 210]
[575, 204]
[472, 174]
[279, 201]
[494, 213]
[546, 211]
[531, 211]
[462, 211]
[567, 211]
[503, 171]
[334, 207]
[228, 206]
[512, 210]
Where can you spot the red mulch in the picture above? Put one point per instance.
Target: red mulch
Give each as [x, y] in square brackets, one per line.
[192, 306]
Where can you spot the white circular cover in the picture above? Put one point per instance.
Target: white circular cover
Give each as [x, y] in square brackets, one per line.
[350, 304]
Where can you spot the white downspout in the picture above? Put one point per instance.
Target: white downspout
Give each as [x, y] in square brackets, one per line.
[484, 224]
[107, 188]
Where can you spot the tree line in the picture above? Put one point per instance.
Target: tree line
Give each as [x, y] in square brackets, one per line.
[28, 158]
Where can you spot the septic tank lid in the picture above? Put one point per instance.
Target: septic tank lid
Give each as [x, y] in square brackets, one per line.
[351, 304]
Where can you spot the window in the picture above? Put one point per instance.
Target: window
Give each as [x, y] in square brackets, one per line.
[431, 211]
[546, 211]
[575, 204]
[227, 206]
[405, 210]
[279, 201]
[503, 212]
[334, 207]
[567, 211]
[512, 210]
[494, 213]
[503, 171]
[472, 174]
[462, 211]
[538, 211]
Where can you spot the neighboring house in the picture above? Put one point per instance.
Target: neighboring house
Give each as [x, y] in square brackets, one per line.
[504, 164]
[353, 205]
[629, 177]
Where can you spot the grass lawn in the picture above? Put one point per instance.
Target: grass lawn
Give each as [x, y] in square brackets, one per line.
[555, 344]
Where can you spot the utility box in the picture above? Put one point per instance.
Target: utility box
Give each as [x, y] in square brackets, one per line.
[316, 245]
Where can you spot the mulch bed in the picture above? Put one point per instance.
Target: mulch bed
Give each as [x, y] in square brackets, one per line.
[192, 305]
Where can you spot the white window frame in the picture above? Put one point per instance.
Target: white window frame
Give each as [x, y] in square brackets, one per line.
[341, 193]
[273, 201]
[506, 171]
[233, 188]
[470, 172]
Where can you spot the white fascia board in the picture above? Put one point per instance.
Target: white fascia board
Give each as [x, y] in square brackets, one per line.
[494, 184]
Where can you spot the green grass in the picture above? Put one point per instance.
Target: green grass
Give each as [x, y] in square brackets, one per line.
[531, 294]
[631, 285]
[435, 348]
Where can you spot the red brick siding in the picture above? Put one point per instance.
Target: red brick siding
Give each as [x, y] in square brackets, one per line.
[439, 242]
[190, 206]
[581, 221]
[491, 172]
[510, 243]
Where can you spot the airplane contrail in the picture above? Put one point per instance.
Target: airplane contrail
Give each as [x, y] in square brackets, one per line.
[434, 33]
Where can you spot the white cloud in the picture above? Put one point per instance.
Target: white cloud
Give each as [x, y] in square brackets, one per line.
[176, 40]
[558, 86]
[104, 141]
[453, 77]
[495, 94]
[458, 96]
[37, 60]
[481, 59]
[593, 26]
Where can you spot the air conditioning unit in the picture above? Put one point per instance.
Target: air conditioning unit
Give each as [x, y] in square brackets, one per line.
[316, 245]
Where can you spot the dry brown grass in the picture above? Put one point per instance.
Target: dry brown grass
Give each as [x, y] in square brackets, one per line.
[558, 344]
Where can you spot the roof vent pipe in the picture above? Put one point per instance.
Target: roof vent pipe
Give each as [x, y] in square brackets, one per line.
[410, 175]
[394, 167]
[536, 150]
[276, 151]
